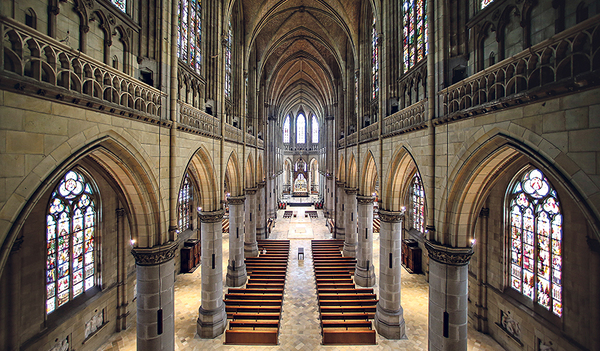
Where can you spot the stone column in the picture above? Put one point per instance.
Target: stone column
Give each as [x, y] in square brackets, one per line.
[250, 244]
[261, 220]
[389, 317]
[212, 318]
[448, 293]
[271, 198]
[350, 222]
[155, 280]
[236, 269]
[340, 233]
[364, 274]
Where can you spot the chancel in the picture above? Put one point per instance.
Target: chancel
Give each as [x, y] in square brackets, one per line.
[295, 174]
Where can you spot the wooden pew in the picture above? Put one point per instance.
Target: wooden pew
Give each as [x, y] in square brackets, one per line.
[354, 336]
[251, 337]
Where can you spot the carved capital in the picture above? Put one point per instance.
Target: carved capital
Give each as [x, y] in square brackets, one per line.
[211, 217]
[339, 184]
[251, 191]
[236, 200]
[262, 184]
[351, 191]
[453, 256]
[391, 216]
[365, 200]
[154, 255]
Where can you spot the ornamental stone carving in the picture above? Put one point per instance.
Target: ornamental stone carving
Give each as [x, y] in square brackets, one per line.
[339, 184]
[365, 200]
[251, 191]
[262, 184]
[391, 216]
[236, 200]
[154, 255]
[211, 217]
[351, 191]
[453, 256]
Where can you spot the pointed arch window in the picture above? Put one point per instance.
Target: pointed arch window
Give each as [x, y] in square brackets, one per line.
[121, 4]
[228, 40]
[286, 130]
[375, 61]
[484, 3]
[189, 33]
[415, 30]
[301, 129]
[70, 237]
[184, 206]
[418, 203]
[315, 130]
[536, 241]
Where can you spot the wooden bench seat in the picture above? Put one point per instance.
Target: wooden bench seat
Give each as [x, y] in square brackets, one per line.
[251, 337]
[346, 316]
[252, 309]
[252, 296]
[349, 303]
[254, 291]
[266, 286]
[346, 296]
[346, 291]
[267, 280]
[346, 324]
[255, 316]
[349, 337]
[348, 309]
[254, 324]
[259, 303]
[329, 286]
[334, 280]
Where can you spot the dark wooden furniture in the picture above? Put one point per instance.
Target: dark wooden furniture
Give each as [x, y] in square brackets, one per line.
[190, 255]
[411, 256]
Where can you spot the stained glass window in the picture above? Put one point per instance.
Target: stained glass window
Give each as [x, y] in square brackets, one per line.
[286, 130]
[228, 62]
[415, 30]
[418, 203]
[484, 3]
[301, 129]
[121, 4]
[315, 130]
[184, 207]
[189, 35]
[375, 61]
[356, 91]
[70, 233]
[536, 241]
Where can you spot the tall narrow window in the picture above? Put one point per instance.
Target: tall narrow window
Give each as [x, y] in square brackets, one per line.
[414, 16]
[418, 204]
[189, 35]
[356, 91]
[484, 3]
[70, 233]
[375, 61]
[121, 4]
[536, 241]
[301, 129]
[286, 130]
[186, 196]
[228, 62]
[315, 130]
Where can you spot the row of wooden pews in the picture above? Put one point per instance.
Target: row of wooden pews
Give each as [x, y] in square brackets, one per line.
[376, 225]
[346, 311]
[225, 225]
[255, 311]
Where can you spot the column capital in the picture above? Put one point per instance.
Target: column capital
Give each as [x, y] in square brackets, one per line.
[339, 184]
[261, 184]
[329, 118]
[453, 256]
[329, 176]
[351, 191]
[391, 216]
[251, 191]
[236, 200]
[211, 216]
[365, 200]
[152, 256]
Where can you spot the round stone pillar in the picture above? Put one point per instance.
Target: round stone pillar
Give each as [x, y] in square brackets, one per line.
[212, 318]
[155, 280]
[340, 196]
[271, 198]
[389, 316]
[350, 222]
[250, 244]
[236, 268]
[261, 220]
[448, 294]
[364, 274]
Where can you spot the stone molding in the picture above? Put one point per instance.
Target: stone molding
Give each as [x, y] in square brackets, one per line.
[351, 191]
[236, 200]
[365, 200]
[339, 184]
[251, 191]
[391, 216]
[453, 256]
[211, 217]
[152, 256]
[261, 184]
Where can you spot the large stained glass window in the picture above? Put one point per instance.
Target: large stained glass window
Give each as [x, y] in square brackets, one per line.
[228, 40]
[375, 61]
[536, 241]
[484, 3]
[414, 45]
[189, 35]
[301, 129]
[286, 130]
[418, 204]
[184, 206]
[121, 4]
[70, 233]
[315, 130]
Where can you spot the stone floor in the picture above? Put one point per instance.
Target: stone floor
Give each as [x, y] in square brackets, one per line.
[300, 328]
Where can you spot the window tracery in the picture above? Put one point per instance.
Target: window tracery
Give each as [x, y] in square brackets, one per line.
[301, 129]
[229, 38]
[286, 130]
[375, 61]
[415, 30]
[186, 197]
[315, 130]
[189, 36]
[418, 203]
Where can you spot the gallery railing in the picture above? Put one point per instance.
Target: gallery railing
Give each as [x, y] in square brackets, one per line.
[411, 118]
[194, 120]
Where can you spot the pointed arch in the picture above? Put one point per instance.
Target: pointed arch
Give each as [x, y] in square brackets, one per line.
[369, 175]
[201, 166]
[260, 174]
[352, 178]
[402, 167]
[249, 182]
[342, 169]
[234, 175]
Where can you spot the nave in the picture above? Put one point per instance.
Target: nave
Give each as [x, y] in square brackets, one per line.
[299, 325]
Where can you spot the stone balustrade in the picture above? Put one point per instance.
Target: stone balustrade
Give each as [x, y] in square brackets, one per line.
[233, 134]
[411, 118]
[370, 132]
[193, 120]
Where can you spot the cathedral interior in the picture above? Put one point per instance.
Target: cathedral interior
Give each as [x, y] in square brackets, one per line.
[438, 162]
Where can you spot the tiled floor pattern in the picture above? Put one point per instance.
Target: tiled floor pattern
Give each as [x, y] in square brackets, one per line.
[300, 328]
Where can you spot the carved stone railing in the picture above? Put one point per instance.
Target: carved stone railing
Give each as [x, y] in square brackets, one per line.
[233, 134]
[250, 139]
[312, 149]
[411, 118]
[193, 120]
[566, 62]
[370, 132]
[352, 139]
[261, 144]
[55, 69]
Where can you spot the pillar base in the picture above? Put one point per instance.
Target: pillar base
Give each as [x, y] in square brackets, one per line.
[261, 233]
[236, 277]
[390, 324]
[340, 233]
[251, 249]
[364, 276]
[349, 250]
[211, 324]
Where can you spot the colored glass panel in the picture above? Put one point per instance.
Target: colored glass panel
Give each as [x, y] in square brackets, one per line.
[189, 33]
[121, 4]
[185, 204]
[286, 130]
[484, 3]
[375, 62]
[315, 130]
[228, 62]
[418, 204]
[415, 31]
[301, 129]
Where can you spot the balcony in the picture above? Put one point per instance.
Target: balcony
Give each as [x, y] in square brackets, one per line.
[233, 133]
[369, 133]
[193, 120]
[411, 118]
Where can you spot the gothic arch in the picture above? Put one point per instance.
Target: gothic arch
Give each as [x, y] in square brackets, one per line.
[249, 181]
[341, 169]
[202, 165]
[260, 174]
[369, 175]
[394, 191]
[234, 175]
[352, 178]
